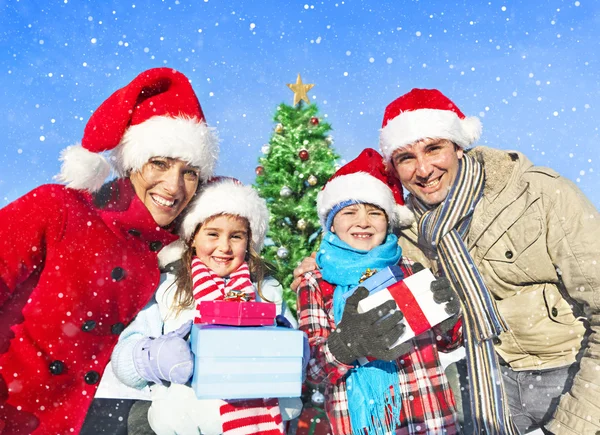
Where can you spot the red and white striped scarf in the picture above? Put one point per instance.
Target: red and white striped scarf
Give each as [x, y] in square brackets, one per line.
[252, 417]
[238, 417]
[208, 286]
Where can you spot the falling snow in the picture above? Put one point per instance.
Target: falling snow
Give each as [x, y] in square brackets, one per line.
[529, 73]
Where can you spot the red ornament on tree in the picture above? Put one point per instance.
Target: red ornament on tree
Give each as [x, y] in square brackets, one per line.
[259, 170]
[314, 120]
[303, 154]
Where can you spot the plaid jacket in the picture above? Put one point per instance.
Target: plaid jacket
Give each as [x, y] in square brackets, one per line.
[428, 406]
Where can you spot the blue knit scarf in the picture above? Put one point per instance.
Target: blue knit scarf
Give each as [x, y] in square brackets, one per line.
[368, 386]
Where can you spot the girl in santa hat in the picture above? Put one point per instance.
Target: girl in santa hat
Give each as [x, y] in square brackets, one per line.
[222, 234]
[402, 390]
[78, 262]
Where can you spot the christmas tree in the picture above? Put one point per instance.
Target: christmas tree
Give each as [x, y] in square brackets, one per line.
[297, 162]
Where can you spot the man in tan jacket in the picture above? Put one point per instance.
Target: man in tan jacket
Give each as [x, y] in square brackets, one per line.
[534, 239]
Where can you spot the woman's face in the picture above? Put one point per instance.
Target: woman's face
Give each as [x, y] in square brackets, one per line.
[221, 243]
[362, 226]
[166, 187]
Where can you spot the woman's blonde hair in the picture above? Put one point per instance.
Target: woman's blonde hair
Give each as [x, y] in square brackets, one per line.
[184, 292]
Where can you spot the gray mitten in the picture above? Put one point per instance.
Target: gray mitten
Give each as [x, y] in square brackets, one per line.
[443, 292]
[167, 357]
[368, 334]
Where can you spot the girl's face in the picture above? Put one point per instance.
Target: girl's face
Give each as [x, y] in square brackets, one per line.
[166, 187]
[362, 226]
[221, 243]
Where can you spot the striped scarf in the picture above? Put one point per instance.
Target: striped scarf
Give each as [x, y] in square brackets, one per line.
[238, 417]
[208, 286]
[443, 229]
[252, 417]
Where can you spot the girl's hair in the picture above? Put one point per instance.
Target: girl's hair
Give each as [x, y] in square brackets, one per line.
[184, 292]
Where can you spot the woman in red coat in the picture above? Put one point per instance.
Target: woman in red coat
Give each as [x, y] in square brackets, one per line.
[78, 262]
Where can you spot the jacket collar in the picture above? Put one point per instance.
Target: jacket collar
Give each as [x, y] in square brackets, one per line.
[504, 187]
[501, 168]
[122, 210]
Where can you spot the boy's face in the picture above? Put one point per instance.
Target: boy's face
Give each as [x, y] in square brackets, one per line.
[362, 226]
[221, 243]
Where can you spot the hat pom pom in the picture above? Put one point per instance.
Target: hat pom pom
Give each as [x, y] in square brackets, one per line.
[404, 216]
[472, 128]
[171, 253]
[82, 169]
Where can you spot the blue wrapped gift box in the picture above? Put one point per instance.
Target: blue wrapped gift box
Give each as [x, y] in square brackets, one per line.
[246, 362]
[379, 281]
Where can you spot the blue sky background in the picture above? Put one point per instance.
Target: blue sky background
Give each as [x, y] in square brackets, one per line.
[529, 70]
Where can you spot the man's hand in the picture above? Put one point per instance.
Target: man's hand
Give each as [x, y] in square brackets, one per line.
[307, 265]
[443, 292]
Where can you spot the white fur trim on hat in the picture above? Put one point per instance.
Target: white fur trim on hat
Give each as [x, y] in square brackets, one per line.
[171, 253]
[404, 215]
[228, 196]
[360, 187]
[182, 138]
[412, 126]
[82, 169]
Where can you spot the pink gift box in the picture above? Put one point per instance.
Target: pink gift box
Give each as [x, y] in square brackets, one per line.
[236, 313]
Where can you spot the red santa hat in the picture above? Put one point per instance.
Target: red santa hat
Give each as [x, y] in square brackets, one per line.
[157, 114]
[425, 113]
[363, 180]
[224, 195]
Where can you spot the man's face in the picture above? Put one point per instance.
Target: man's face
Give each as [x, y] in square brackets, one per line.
[427, 168]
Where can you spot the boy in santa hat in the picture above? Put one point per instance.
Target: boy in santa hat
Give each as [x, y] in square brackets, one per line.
[402, 390]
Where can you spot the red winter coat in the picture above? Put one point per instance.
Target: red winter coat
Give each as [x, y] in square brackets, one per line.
[74, 271]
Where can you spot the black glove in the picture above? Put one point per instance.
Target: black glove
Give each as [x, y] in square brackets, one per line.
[366, 334]
[443, 292]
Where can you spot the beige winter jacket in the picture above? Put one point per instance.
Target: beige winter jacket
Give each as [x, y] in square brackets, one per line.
[536, 241]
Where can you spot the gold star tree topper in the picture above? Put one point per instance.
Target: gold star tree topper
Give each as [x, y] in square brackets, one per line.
[300, 90]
